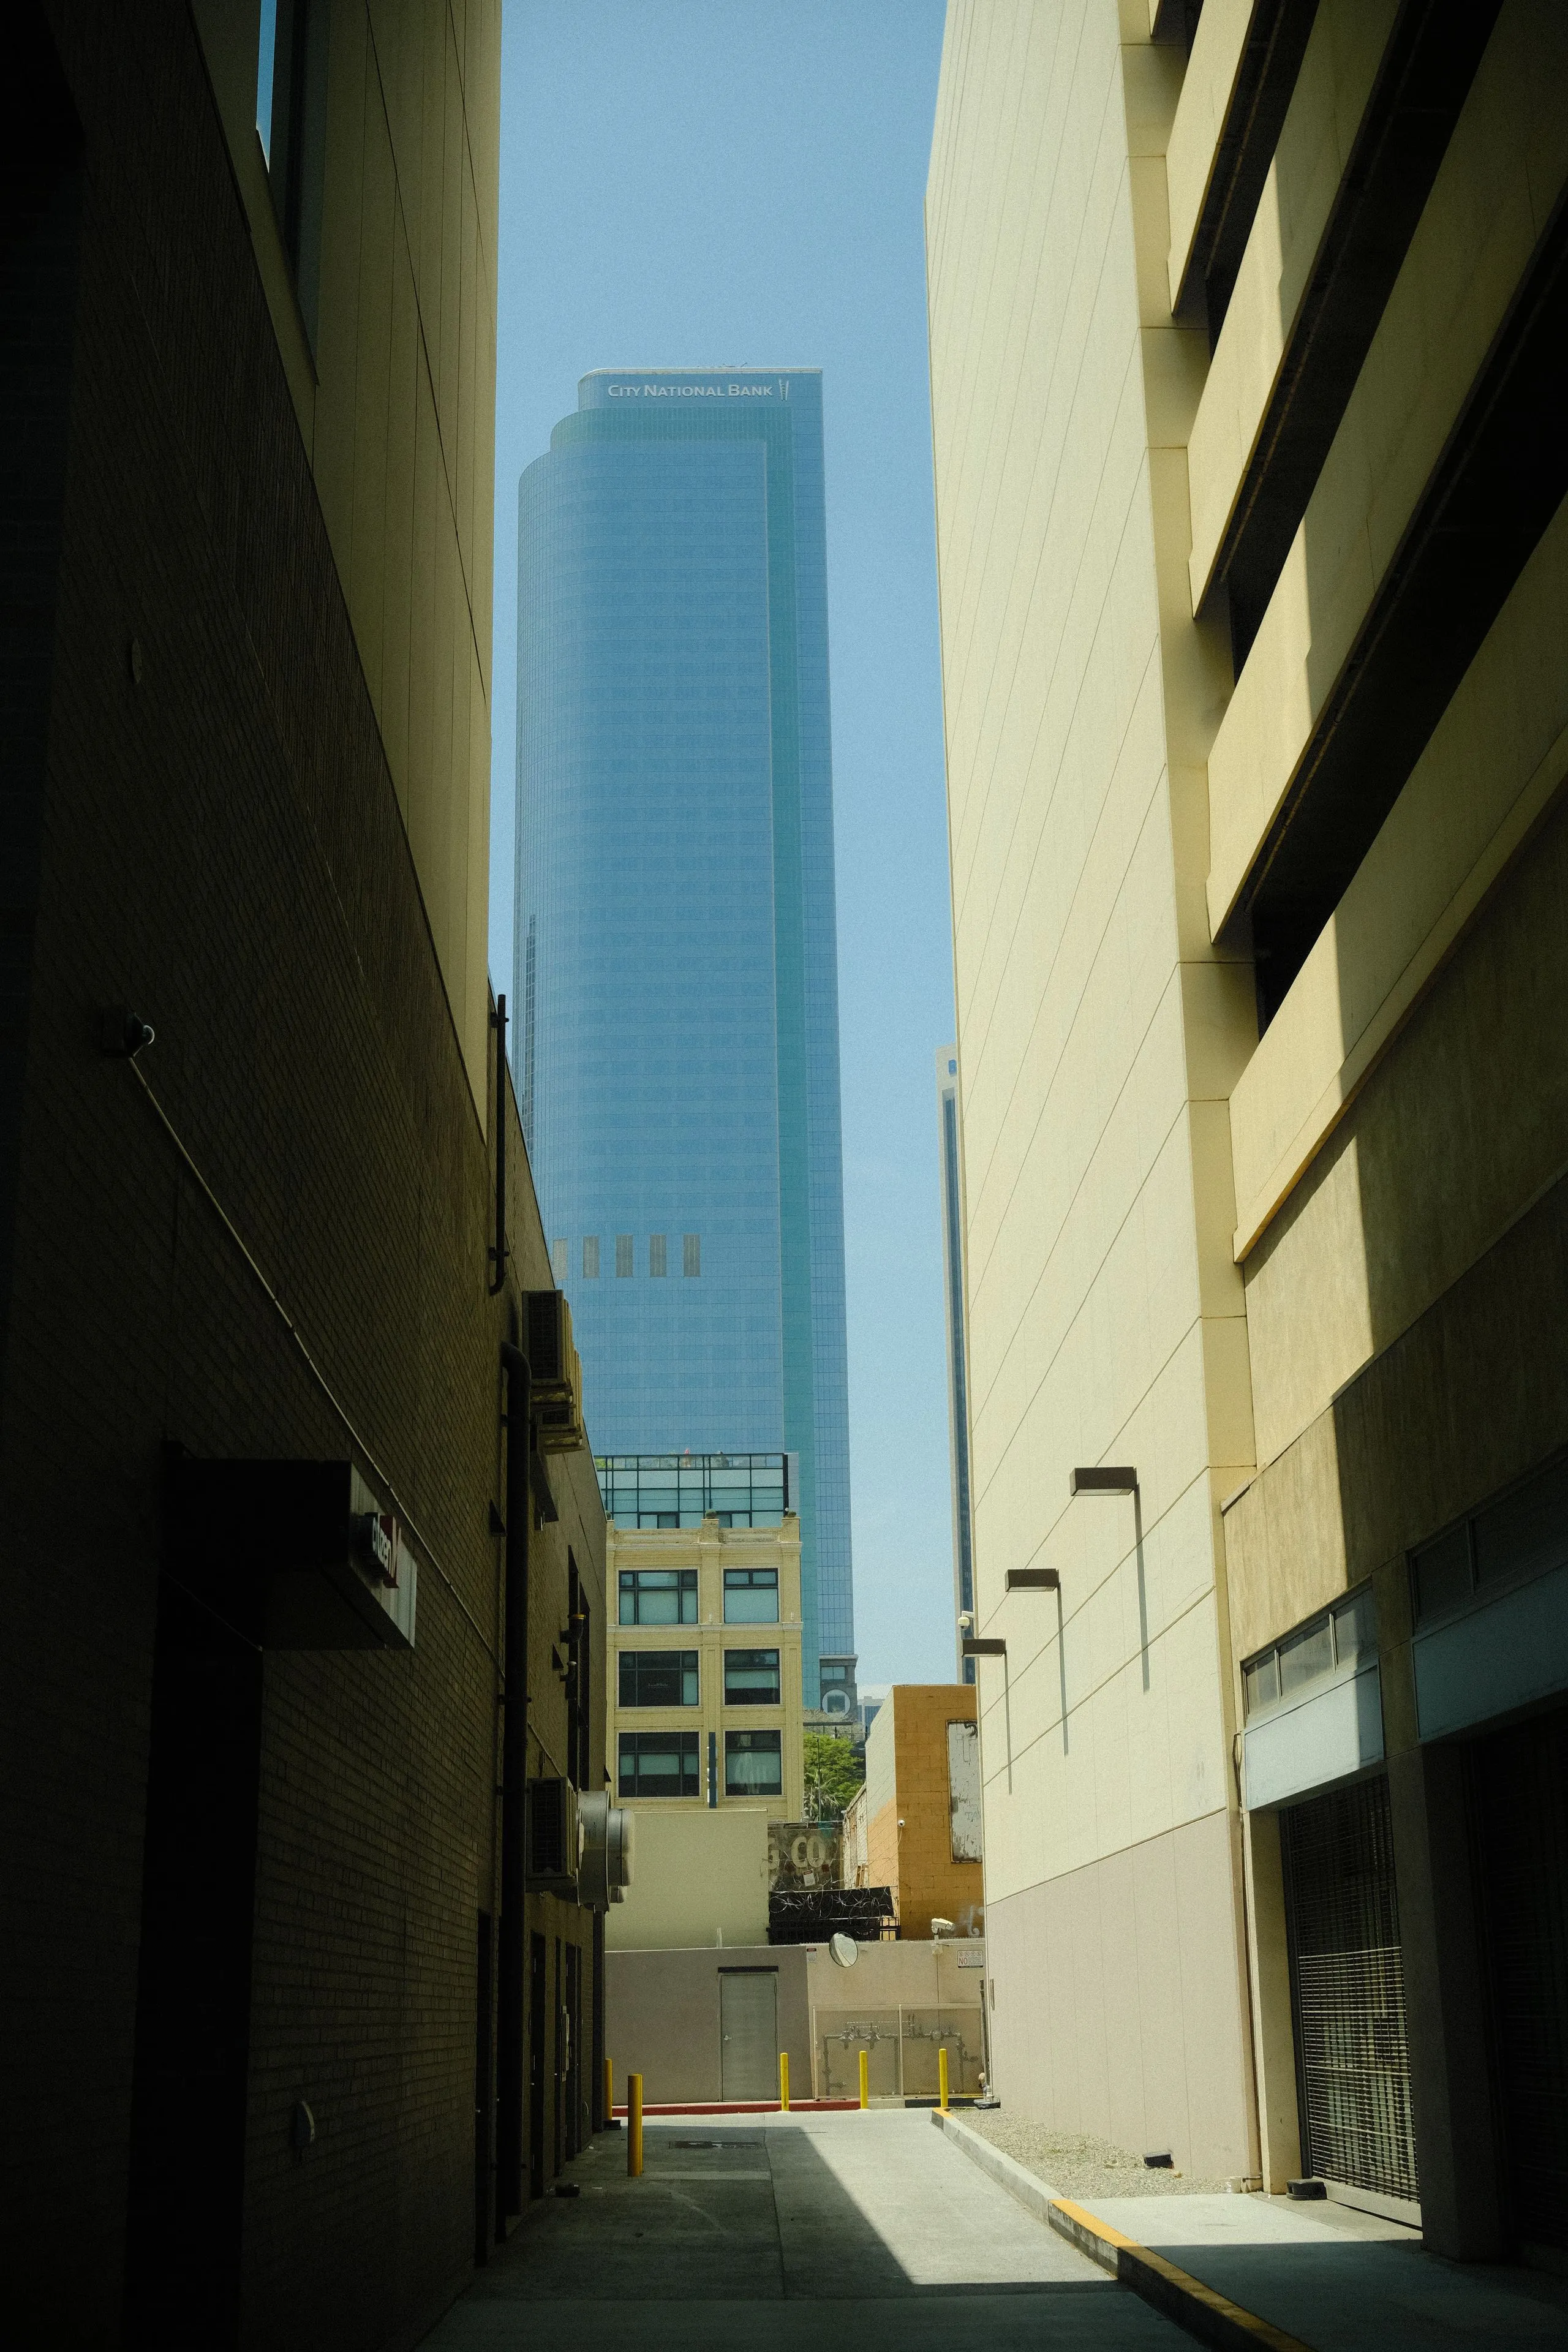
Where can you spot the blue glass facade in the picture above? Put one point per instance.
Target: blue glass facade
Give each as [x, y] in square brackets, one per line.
[676, 980]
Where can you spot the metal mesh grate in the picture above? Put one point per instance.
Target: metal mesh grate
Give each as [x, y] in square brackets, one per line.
[1347, 1982]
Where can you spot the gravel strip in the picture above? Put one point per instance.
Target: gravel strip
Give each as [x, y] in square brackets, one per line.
[1077, 2164]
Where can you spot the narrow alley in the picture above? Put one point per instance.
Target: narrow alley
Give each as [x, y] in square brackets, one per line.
[772, 2231]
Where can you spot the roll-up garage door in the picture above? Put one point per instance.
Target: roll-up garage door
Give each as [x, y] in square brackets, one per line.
[1347, 1986]
[1521, 1786]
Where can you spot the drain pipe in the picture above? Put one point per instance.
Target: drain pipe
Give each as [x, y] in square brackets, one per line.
[511, 1972]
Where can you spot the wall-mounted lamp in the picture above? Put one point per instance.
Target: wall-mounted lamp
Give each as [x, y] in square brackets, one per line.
[978, 1645]
[1103, 1482]
[1033, 1580]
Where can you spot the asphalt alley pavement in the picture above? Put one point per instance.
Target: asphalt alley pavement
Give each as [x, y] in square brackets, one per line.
[777, 2231]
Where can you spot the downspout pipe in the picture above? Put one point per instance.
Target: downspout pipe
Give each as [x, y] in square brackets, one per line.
[512, 1959]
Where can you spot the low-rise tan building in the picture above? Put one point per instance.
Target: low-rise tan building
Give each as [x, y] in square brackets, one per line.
[915, 1825]
[706, 1741]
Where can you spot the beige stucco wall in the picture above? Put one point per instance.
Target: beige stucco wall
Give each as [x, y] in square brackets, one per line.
[396, 407]
[699, 1876]
[1099, 1030]
[661, 2017]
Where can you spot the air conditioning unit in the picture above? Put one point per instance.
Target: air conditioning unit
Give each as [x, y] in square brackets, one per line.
[552, 1857]
[607, 1852]
[555, 1373]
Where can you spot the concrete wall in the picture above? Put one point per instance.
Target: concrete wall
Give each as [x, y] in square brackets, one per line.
[1334, 1251]
[1099, 1031]
[662, 2018]
[698, 1875]
[947, 1972]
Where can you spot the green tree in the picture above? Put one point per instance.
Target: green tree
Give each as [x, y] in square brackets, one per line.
[834, 1772]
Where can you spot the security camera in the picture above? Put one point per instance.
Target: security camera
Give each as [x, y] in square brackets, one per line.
[966, 1621]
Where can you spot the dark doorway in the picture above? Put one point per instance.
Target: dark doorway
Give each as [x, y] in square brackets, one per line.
[192, 2009]
[1521, 1778]
[1347, 1989]
[536, 2014]
[555, 2140]
[573, 2049]
[484, 2091]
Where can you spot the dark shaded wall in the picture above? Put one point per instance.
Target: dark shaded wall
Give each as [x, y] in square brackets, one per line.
[199, 822]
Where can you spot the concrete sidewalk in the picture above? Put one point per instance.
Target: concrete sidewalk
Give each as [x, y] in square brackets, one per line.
[783, 2232]
[1332, 2278]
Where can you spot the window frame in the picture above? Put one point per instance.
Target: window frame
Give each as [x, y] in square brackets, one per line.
[684, 1587]
[682, 1663]
[687, 1745]
[763, 1742]
[1356, 1608]
[733, 1698]
[750, 1575]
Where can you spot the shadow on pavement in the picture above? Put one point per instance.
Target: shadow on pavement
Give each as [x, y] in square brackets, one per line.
[778, 2234]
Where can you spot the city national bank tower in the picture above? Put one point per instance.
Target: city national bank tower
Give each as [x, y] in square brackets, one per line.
[676, 995]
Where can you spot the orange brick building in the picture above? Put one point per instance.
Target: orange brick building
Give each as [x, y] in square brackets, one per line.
[915, 1825]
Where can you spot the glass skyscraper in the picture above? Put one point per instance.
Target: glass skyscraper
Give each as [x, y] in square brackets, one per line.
[676, 986]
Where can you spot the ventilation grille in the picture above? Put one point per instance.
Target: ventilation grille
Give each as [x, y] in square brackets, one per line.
[1347, 1982]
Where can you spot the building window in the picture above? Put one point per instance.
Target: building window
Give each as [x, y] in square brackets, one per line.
[691, 1254]
[750, 1678]
[591, 1256]
[754, 1764]
[659, 1764]
[657, 1254]
[658, 1596]
[1333, 1644]
[623, 1254]
[750, 1596]
[658, 1678]
[558, 1260]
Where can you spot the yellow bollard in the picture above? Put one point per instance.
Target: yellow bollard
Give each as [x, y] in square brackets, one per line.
[633, 2126]
[865, 2078]
[942, 2075]
[609, 2092]
[783, 2080]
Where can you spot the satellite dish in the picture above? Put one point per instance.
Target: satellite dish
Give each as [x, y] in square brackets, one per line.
[842, 1950]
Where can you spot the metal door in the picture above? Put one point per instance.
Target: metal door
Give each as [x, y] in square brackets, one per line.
[1347, 1986]
[1521, 1788]
[748, 2034]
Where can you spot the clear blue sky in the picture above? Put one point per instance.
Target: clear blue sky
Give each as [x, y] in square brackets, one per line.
[703, 183]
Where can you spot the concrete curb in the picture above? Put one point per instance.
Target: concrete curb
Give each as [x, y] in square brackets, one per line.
[1203, 2312]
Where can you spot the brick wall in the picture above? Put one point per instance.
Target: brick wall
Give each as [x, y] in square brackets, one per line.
[918, 1857]
[220, 847]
